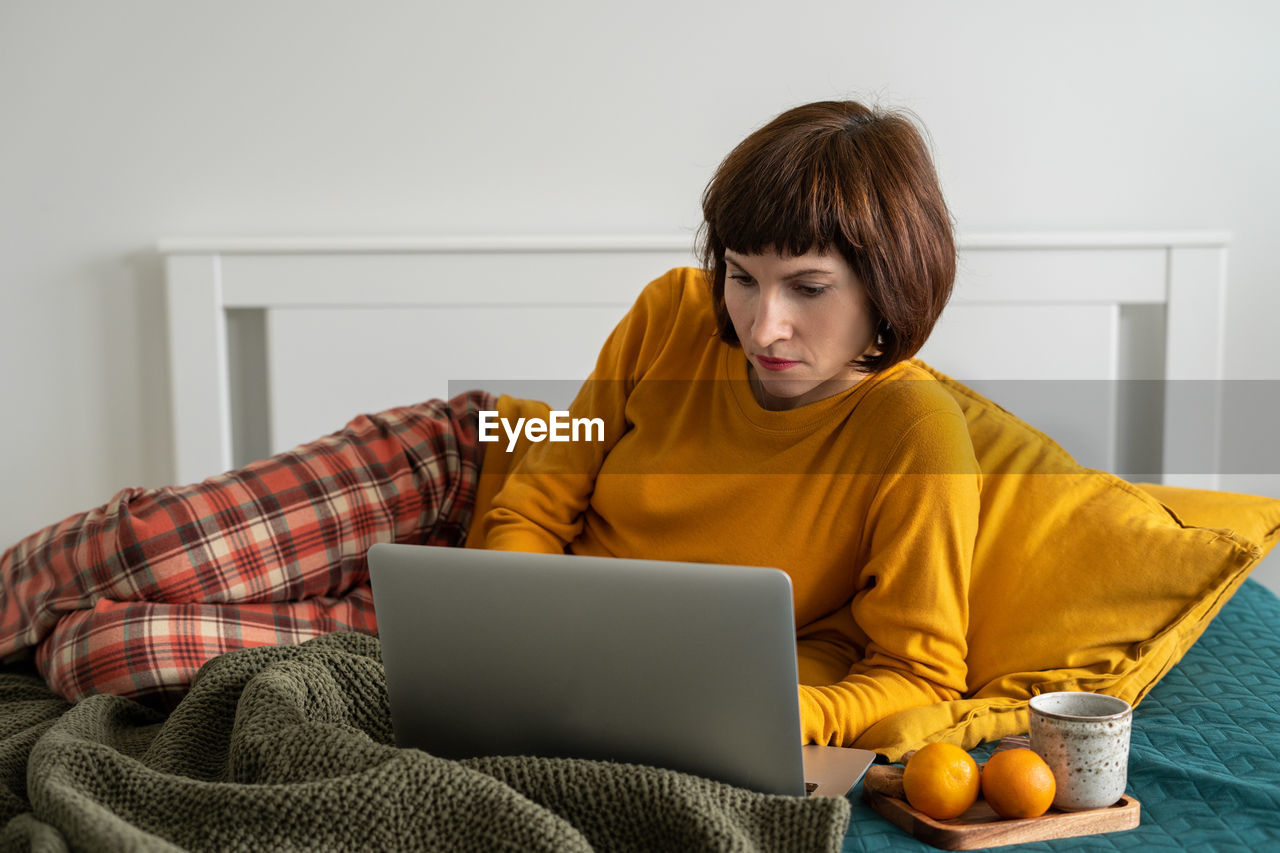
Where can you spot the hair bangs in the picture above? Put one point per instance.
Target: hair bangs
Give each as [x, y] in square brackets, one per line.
[789, 206]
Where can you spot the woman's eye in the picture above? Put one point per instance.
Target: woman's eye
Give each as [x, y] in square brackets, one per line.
[810, 290]
[742, 279]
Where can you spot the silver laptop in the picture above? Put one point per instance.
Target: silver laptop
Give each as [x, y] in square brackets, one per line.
[680, 665]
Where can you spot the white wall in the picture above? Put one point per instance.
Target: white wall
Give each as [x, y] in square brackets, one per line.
[128, 121]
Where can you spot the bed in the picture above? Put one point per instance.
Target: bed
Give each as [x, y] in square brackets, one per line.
[274, 341]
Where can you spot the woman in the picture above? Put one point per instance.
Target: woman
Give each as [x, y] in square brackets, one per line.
[760, 412]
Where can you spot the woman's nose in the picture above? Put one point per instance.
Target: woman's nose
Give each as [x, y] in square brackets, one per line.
[771, 322]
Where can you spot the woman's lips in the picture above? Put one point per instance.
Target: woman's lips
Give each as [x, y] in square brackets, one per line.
[775, 363]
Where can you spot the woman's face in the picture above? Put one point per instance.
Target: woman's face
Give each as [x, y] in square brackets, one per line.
[801, 320]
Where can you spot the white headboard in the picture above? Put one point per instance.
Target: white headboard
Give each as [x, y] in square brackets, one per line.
[277, 341]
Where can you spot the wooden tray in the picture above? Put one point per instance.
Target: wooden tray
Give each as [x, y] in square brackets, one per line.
[980, 826]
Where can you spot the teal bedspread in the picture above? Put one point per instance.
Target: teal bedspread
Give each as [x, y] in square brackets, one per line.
[1205, 755]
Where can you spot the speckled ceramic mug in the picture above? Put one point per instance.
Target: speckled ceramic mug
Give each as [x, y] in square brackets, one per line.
[1084, 738]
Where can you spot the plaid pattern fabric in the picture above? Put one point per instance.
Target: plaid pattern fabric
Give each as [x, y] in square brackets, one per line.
[133, 597]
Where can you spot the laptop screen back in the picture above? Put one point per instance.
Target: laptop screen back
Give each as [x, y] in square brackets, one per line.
[680, 665]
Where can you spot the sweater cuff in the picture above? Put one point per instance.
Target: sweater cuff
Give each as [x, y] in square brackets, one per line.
[530, 541]
[813, 719]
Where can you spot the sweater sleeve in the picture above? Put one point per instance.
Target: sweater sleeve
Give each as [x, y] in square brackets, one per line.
[905, 627]
[540, 506]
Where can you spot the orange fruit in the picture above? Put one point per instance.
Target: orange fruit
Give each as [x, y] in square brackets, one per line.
[1018, 783]
[941, 780]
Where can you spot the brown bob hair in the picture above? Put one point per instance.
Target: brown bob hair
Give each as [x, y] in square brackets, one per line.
[839, 175]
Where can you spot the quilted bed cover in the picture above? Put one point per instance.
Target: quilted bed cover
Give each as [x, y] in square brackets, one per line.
[1205, 754]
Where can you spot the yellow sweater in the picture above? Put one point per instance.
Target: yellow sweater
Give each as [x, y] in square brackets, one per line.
[868, 500]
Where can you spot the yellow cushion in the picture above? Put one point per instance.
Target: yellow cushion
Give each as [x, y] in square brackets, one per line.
[1081, 580]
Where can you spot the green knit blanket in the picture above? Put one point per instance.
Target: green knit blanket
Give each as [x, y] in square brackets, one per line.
[292, 748]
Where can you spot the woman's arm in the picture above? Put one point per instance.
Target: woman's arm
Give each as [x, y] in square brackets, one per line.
[905, 628]
[540, 506]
